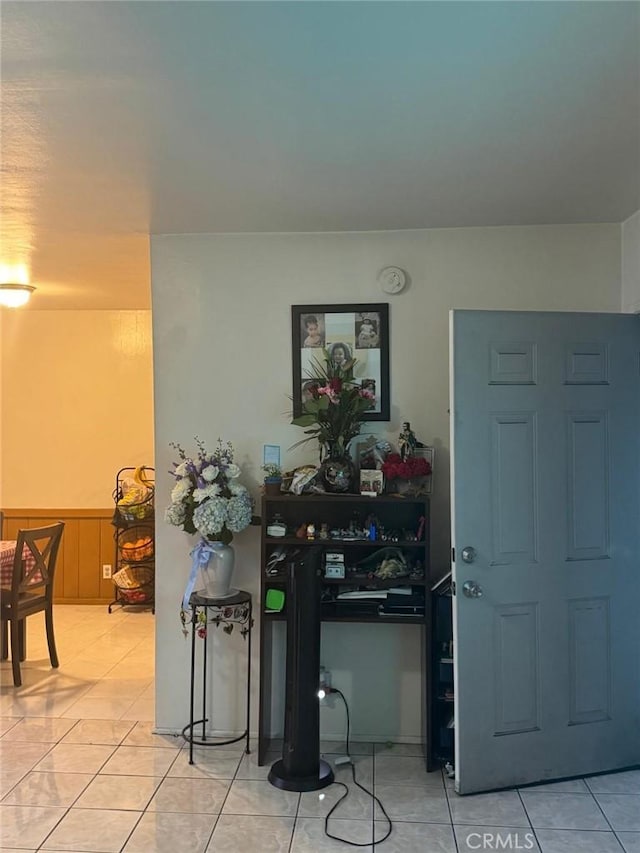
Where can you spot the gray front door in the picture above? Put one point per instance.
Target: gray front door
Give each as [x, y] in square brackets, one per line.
[545, 426]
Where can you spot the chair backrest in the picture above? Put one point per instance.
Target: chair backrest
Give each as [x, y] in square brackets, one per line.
[32, 574]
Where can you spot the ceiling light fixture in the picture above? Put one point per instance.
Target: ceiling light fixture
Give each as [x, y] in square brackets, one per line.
[15, 295]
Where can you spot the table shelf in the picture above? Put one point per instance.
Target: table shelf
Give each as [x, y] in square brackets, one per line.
[393, 513]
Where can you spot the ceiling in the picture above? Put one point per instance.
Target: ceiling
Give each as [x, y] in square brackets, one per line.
[124, 119]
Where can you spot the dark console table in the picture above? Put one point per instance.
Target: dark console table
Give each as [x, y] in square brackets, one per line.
[406, 522]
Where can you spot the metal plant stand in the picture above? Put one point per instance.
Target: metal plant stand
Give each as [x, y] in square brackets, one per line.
[226, 612]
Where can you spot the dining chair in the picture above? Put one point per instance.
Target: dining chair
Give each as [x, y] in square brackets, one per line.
[30, 592]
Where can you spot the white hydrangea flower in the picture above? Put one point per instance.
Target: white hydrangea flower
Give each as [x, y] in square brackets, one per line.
[175, 514]
[233, 471]
[180, 490]
[237, 489]
[182, 470]
[210, 473]
[238, 513]
[199, 495]
[210, 517]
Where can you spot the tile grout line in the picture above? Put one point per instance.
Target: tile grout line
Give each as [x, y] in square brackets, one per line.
[619, 840]
[446, 797]
[233, 779]
[67, 808]
[295, 820]
[31, 769]
[226, 796]
[533, 829]
[609, 824]
[144, 810]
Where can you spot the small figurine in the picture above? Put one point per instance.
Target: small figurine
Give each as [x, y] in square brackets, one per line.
[407, 442]
[324, 530]
[311, 531]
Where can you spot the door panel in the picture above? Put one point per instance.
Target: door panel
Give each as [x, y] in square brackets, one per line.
[589, 661]
[587, 486]
[517, 672]
[513, 494]
[545, 470]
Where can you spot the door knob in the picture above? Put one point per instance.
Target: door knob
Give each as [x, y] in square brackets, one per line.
[468, 554]
[472, 589]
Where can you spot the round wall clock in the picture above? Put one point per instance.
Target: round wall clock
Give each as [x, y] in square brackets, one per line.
[392, 280]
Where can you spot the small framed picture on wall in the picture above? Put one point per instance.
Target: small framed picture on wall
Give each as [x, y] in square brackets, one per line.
[357, 333]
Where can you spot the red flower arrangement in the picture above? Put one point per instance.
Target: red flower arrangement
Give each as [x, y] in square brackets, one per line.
[394, 468]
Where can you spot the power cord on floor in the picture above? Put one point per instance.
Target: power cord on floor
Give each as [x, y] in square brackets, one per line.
[346, 789]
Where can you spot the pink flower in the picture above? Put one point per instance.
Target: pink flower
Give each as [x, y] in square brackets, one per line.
[328, 391]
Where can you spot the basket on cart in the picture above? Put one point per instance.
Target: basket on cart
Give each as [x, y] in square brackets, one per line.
[134, 496]
[133, 520]
[135, 584]
[135, 544]
[137, 511]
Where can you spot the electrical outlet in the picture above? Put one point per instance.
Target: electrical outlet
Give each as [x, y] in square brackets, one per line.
[106, 571]
[325, 678]
[324, 685]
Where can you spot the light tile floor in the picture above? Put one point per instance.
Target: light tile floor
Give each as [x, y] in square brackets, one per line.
[81, 770]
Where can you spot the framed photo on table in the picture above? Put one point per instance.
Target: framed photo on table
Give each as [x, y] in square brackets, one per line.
[358, 331]
[371, 482]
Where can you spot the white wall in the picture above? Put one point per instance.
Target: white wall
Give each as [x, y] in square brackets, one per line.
[222, 363]
[77, 404]
[631, 263]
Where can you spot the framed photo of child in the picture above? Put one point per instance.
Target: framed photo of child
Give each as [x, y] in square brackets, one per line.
[312, 330]
[356, 335]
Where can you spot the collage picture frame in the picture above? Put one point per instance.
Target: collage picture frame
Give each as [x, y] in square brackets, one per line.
[357, 331]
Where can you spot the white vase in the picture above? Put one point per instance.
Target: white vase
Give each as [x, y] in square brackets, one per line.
[217, 573]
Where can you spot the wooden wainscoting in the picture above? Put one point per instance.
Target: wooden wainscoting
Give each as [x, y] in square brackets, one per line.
[87, 545]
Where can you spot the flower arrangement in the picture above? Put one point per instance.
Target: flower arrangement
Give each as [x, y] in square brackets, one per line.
[334, 406]
[206, 498]
[394, 468]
